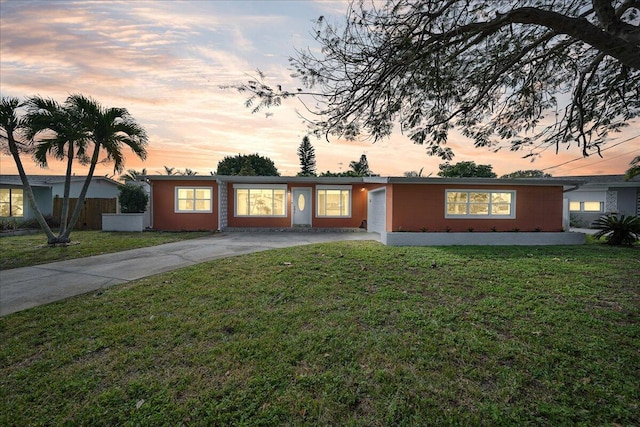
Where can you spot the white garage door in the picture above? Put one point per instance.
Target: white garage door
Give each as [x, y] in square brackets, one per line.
[377, 211]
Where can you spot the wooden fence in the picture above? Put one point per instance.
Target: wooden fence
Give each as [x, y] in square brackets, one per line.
[91, 213]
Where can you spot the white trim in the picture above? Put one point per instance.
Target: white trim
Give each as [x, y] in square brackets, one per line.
[512, 215]
[261, 186]
[334, 187]
[175, 199]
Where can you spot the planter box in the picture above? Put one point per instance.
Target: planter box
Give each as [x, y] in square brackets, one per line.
[123, 222]
[482, 238]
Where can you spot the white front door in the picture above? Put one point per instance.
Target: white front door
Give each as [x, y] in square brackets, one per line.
[301, 206]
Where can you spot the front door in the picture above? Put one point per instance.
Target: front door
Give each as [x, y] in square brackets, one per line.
[301, 206]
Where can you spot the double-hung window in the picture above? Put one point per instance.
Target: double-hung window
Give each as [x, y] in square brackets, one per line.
[260, 200]
[333, 201]
[11, 202]
[194, 199]
[480, 204]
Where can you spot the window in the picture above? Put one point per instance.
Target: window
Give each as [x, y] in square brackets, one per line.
[480, 204]
[334, 201]
[256, 200]
[11, 202]
[586, 206]
[194, 199]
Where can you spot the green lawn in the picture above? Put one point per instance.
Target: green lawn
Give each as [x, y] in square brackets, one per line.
[32, 249]
[351, 333]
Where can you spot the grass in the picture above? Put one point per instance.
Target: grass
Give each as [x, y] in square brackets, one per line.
[32, 249]
[351, 333]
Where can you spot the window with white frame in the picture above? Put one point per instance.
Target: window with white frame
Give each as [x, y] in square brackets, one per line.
[586, 206]
[333, 201]
[260, 200]
[11, 202]
[480, 204]
[194, 199]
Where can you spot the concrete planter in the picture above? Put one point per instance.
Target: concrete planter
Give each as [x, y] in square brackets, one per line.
[481, 239]
[123, 222]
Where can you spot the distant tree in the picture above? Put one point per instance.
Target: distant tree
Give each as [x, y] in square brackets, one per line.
[170, 171]
[247, 169]
[466, 170]
[413, 174]
[531, 173]
[133, 175]
[187, 172]
[349, 173]
[247, 164]
[634, 170]
[491, 69]
[307, 156]
[361, 167]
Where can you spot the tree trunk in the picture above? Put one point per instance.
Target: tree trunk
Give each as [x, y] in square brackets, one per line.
[13, 148]
[83, 192]
[67, 190]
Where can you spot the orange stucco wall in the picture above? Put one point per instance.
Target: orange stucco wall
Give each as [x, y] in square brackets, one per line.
[164, 215]
[358, 211]
[413, 207]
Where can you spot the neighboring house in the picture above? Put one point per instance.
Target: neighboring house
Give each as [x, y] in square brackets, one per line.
[46, 188]
[393, 207]
[600, 195]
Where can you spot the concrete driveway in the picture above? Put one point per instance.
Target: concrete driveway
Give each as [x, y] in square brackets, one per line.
[27, 287]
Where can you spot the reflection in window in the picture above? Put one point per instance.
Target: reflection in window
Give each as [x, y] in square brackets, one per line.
[480, 204]
[11, 202]
[260, 201]
[194, 199]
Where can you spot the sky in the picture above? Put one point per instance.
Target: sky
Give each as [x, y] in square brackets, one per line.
[165, 62]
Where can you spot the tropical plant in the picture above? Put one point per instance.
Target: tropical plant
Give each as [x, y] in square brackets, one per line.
[634, 170]
[133, 175]
[492, 69]
[466, 170]
[307, 156]
[624, 230]
[64, 138]
[132, 198]
[361, 167]
[252, 164]
[70, 130]
[12, 125]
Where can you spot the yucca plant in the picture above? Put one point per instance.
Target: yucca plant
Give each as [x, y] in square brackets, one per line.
[618, 231]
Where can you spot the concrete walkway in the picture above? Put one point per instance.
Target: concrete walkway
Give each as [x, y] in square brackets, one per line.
[27, 287]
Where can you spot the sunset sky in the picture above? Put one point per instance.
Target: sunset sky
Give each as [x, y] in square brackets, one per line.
[165, 60]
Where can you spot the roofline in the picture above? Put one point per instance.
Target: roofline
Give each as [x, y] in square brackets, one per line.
[365, 180]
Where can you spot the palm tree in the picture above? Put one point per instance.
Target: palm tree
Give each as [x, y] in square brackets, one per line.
[11, 124]
[64, 138]
[170, 171]
[133, 175]
[108, 128]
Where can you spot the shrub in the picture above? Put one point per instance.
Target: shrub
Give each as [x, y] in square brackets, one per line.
[133, 198]
[618, 231]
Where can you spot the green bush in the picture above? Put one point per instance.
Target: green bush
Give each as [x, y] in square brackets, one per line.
[618, 231]
[133, 198]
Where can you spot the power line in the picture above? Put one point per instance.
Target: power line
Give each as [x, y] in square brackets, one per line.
[600, 161]
[580, 158]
